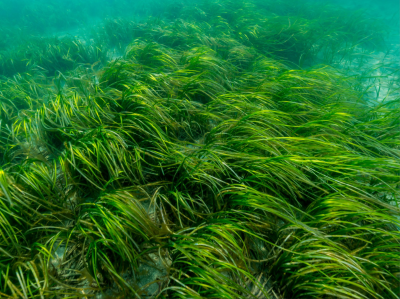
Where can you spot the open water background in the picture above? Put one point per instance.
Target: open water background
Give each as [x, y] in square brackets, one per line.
[51, 16]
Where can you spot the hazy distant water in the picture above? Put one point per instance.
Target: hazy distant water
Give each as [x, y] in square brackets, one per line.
[58, 11]
[61, 17]
[63, 14]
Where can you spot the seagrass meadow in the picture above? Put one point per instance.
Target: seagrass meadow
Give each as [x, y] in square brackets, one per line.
[211, 149]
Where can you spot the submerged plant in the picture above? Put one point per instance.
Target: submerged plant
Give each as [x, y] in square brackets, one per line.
[51, 55]
[203, 163]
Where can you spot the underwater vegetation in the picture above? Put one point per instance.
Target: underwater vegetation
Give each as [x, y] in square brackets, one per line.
[225, 154]
[50, 55]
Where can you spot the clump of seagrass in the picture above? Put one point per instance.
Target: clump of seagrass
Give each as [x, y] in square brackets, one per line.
[201, 164]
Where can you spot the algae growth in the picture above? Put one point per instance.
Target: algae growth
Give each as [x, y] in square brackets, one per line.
[215, 149]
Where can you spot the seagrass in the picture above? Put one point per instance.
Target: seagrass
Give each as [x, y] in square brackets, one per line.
[225, 154]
